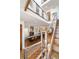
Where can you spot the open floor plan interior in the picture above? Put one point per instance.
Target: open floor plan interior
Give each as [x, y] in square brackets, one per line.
[39, 29]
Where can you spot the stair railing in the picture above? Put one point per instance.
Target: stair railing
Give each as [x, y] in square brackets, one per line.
[35, 8]
[28, 51]
[52, 39]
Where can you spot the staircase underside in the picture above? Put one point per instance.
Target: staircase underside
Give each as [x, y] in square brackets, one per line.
[33, 19]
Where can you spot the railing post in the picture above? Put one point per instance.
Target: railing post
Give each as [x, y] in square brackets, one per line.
[27, 4]
[44, 45]
[52, 39]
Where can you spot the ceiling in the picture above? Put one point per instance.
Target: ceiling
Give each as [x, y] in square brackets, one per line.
[50, 4]
[30, 18]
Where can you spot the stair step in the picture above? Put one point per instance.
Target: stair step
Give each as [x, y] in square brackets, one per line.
[56, 41]
[56, 48]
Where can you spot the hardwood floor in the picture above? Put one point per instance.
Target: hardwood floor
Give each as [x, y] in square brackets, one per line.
[22, 54]
[29, 43]
[35, 55]
[55, 55]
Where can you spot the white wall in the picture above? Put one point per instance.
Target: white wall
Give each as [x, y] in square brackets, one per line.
[22, 3]
[26, 31]
[36, 29]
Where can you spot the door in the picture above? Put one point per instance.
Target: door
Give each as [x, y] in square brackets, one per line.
[20, 36]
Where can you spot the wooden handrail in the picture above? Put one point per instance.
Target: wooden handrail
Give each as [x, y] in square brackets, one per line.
[27, 4]
[52, 39]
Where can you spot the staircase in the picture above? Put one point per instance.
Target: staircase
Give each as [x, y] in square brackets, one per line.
[34, 51]
[32, 6]
[56, 39]
[54, 45]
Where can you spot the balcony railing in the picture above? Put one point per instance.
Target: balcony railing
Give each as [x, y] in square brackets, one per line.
[35, 8]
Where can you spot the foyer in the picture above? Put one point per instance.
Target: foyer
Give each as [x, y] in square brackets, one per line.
[39, 30]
